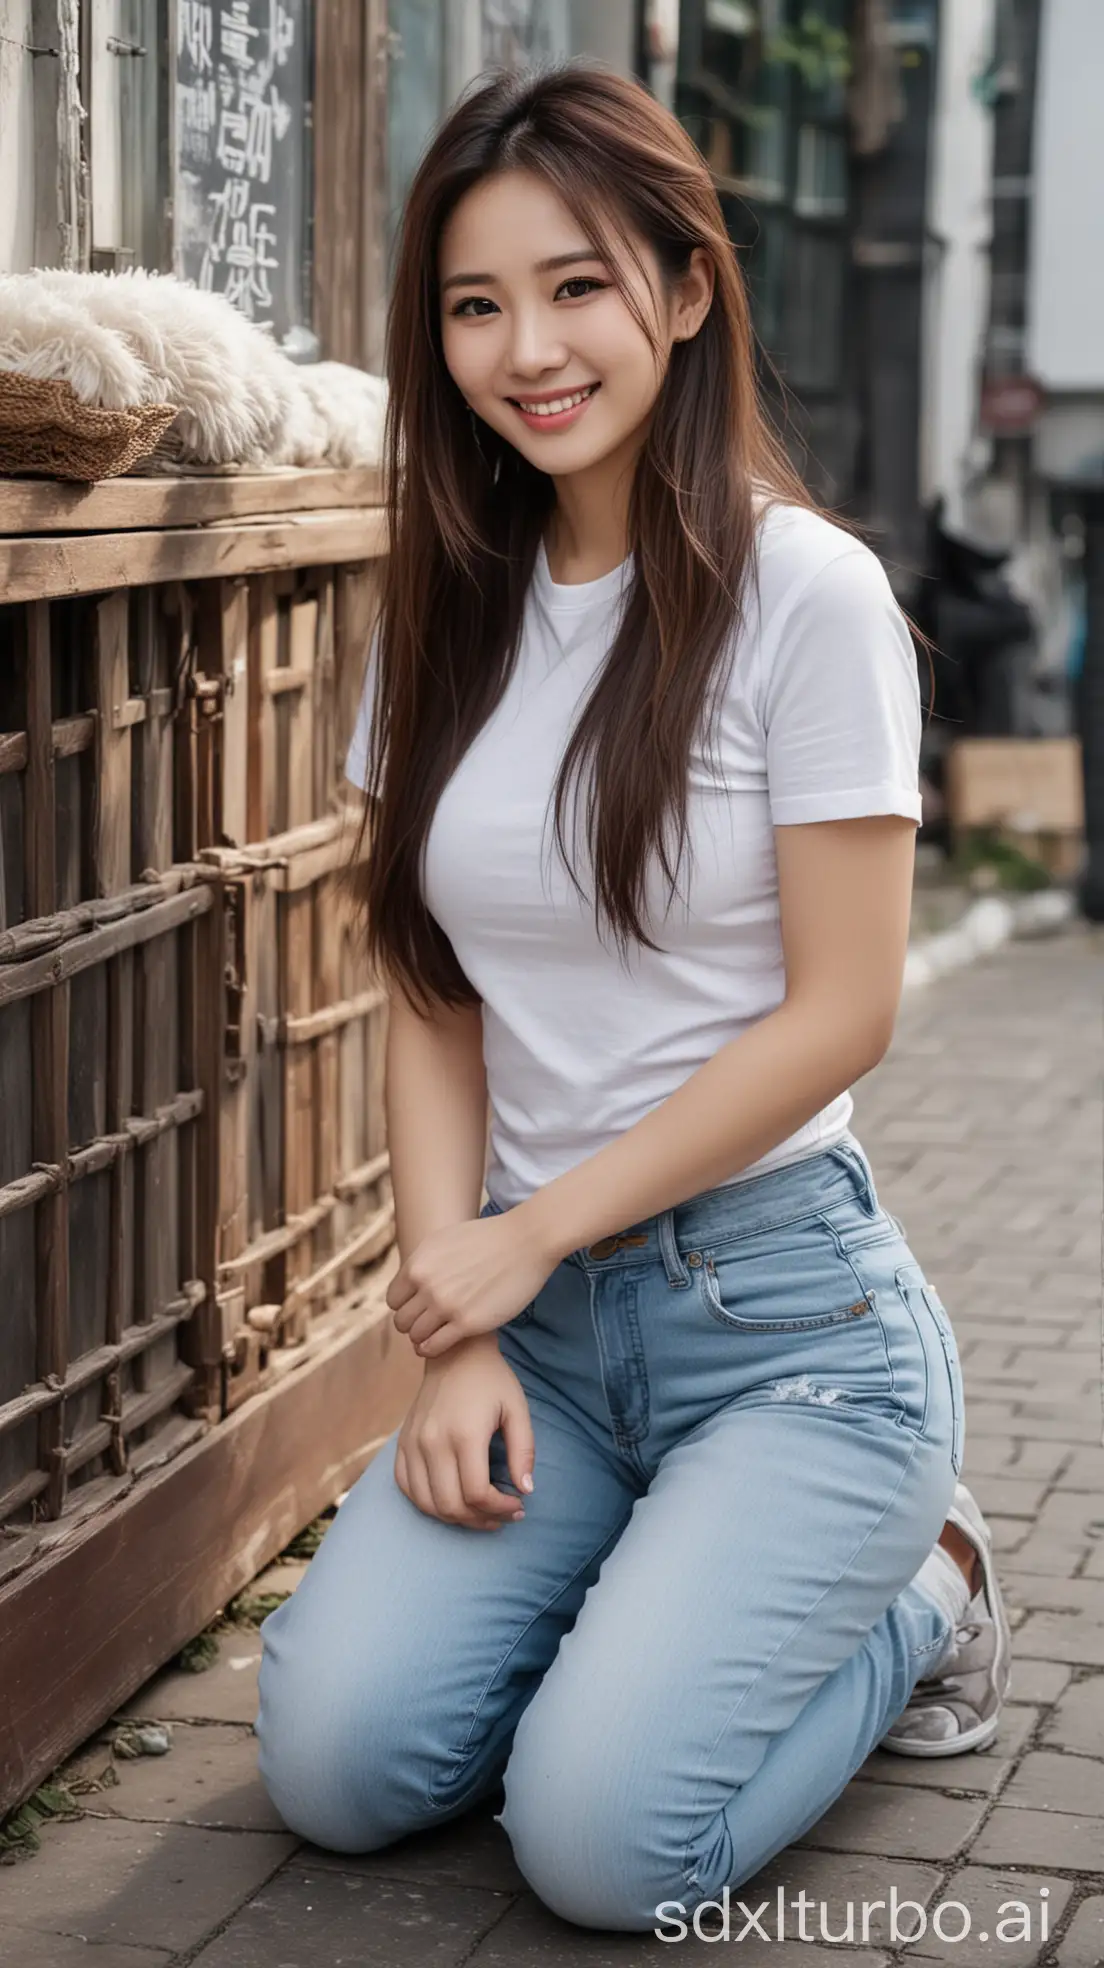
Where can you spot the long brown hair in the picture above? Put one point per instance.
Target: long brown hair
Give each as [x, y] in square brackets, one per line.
[467, 511]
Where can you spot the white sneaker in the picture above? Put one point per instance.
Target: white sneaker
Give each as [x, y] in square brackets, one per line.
[960, 1707]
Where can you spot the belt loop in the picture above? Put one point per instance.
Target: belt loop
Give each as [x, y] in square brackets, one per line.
[853, 1158]
[677, 1273]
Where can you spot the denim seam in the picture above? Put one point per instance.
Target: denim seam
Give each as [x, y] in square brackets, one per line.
[688, 1862]
[627, 1437]
[464, 1753]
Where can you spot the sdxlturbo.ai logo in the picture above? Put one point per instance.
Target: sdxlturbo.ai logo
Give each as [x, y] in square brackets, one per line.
[905, 1921]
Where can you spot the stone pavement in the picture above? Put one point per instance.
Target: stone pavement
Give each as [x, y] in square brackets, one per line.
[984, 1128]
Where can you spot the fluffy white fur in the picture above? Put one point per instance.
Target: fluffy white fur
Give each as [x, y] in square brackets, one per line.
[45, 336]
[228, 379]
[351, 406]
[140, 337]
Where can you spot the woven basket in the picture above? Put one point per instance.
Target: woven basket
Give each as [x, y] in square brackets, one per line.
[46, 430]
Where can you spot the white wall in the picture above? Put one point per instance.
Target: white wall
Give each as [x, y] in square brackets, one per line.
[1065, 296]
[956, 301]
[17, 202]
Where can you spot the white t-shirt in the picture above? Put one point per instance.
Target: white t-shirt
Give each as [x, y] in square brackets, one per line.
[820, 720]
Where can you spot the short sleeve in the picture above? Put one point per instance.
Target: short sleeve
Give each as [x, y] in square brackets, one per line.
[840, 700]
[357, 756]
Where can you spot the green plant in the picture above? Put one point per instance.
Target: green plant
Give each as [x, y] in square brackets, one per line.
[1010, 867]
[821, 53]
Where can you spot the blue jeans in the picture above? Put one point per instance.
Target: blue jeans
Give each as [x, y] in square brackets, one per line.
[748, 1416]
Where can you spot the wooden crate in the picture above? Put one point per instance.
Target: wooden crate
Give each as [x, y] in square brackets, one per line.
[195, 1211]
[1025, 784]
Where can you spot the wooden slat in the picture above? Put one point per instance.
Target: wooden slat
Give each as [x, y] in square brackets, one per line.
[339, 63]
[91, 563]
[299, 710]
[125, 504]
[71, 735]
[152, 767]
[50, 1043]
[111, 845]
[120, 1102]
[300, 1187]
[262, 654]
[325, 679]
[221, 1509]
[234, 735]
[24, 980]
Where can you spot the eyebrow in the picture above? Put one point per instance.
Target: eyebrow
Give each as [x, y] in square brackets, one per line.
[542, 266]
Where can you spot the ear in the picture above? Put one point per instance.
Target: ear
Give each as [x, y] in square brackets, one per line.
[693, 296]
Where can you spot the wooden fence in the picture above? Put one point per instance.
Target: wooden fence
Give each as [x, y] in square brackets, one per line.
[196, 1225]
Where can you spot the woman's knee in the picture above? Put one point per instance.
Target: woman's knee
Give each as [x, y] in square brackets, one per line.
[331, 1754]
[589, 1833]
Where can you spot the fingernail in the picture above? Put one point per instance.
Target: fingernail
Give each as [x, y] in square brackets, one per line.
[517, 1516]
[527, 1482]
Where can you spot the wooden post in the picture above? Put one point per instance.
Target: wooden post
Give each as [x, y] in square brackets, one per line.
[111, 854]
[50, 1047]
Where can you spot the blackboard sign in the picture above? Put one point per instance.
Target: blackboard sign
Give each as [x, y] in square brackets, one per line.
[243, 154]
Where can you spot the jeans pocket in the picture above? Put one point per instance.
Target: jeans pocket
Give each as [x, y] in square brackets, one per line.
[791, 1279]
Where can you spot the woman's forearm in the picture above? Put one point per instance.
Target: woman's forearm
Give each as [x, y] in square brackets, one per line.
[752, 1094]
[435, 1103]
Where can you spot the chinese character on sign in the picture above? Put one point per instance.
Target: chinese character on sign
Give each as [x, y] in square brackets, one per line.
[195, 31]
[238, 32]
[243, 123]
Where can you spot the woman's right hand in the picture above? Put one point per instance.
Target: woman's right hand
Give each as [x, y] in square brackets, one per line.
[442, 1455]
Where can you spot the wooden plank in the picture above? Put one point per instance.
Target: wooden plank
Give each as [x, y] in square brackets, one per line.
[50, 1047]
[111, 842]
[263, 649]
[241, 1049]
[356, 603]
[152, 766]
[71, 735]
[214, 1516]
[120, 1105]
[338, 180]
[234, 735]
[325, 678]
[327, 1060]
[115, 505]
[24, 980]
[299, 710]
[94, 562]
[201, 1341]
[300, 1185]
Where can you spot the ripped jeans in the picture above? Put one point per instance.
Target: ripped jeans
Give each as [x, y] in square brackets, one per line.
[748, 1417]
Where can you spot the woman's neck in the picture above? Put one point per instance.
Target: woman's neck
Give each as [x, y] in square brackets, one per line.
[588, 531]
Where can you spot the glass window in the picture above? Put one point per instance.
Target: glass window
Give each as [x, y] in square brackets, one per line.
[416, 90]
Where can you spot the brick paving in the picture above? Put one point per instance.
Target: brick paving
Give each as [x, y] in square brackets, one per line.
[984, 1128]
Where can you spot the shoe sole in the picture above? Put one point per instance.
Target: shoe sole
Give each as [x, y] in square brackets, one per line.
[959, 1745]
[984, 1733]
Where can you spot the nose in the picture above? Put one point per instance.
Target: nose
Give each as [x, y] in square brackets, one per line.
[536, 347]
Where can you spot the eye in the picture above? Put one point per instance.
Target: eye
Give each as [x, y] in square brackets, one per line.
[582, 280]
[473, 300]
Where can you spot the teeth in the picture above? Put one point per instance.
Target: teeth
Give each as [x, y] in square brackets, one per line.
[558, 405]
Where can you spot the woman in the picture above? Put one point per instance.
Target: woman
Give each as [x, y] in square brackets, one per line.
[682, 1329]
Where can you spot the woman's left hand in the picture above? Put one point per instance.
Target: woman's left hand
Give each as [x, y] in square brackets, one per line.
[467, 1279]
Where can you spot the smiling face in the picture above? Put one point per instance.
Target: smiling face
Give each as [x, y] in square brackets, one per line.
[538, 338]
